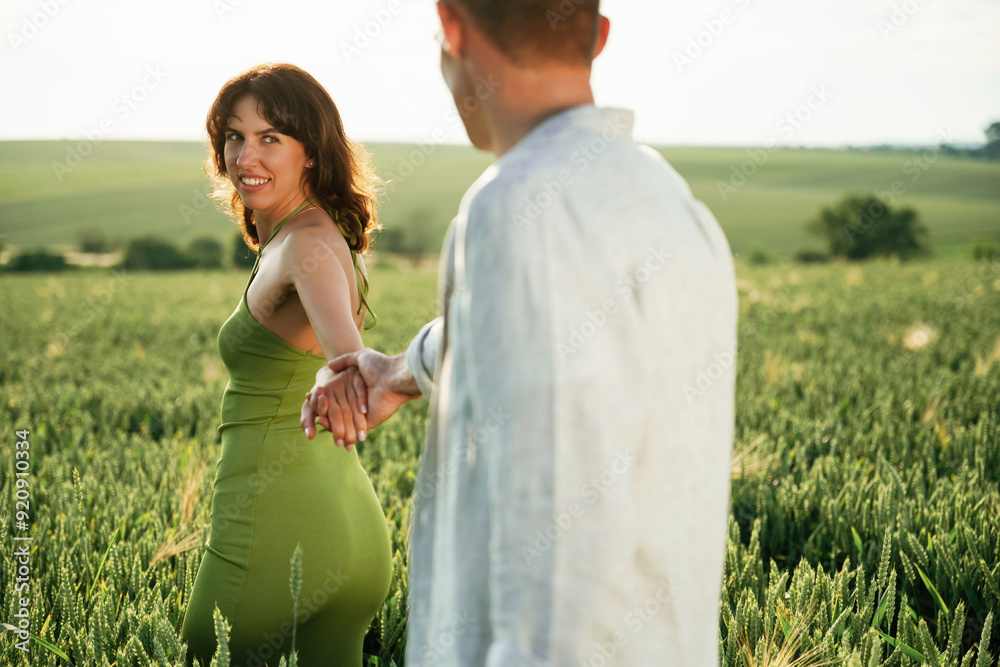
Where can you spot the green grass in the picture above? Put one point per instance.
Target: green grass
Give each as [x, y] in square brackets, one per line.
[135, 188]
[865, 498]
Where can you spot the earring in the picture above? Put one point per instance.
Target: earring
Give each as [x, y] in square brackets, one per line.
[311, 163]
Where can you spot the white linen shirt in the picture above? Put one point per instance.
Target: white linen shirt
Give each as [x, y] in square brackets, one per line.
[572, 500]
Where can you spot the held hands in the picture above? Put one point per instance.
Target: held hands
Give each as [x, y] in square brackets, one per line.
[339, 402]
[357, 392]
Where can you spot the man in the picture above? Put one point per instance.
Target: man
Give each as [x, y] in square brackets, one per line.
[573, 496]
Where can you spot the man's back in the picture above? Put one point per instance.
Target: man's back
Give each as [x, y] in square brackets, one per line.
[582, 418]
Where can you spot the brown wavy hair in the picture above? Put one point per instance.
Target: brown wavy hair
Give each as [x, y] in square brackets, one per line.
[295, 104]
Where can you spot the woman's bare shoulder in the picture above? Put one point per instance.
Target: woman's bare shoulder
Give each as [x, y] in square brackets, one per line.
[316, 235]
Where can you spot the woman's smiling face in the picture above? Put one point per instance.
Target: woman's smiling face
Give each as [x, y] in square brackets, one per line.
[266, 167]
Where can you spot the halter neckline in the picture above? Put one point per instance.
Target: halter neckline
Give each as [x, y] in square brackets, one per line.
[301, 207]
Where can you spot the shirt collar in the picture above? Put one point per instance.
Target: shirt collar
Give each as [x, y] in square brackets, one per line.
[614, 123]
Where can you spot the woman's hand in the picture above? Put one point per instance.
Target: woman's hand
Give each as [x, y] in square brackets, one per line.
[338, 400]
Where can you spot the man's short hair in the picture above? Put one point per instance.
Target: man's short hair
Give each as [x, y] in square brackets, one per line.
[530, 31]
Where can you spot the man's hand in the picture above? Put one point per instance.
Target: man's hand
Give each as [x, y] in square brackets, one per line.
[356, 392]
[337, 401]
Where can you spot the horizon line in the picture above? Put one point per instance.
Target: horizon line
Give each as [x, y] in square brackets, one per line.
[381, 142]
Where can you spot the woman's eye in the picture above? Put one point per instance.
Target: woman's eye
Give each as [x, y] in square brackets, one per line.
[232, 136]
[270, 140]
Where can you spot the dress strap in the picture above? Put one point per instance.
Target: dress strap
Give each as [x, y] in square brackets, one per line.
[260, 249]
[301, 207]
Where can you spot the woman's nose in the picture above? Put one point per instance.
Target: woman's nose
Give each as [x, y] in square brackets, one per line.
[248, 155]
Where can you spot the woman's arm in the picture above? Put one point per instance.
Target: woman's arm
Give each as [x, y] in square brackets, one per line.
[312, 262]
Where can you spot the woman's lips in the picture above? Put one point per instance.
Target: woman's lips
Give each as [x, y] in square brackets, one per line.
[253, 183]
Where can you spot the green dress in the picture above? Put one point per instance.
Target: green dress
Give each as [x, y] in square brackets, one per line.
[274, 488]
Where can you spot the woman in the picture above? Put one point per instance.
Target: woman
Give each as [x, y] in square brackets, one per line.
[302, 193]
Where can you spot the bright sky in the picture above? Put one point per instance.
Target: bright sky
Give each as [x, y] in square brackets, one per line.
[705, 72]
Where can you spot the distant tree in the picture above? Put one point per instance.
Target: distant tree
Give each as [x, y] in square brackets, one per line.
[759, 257]
[205, 253]
[993, 133]
[37, 260]
[992, 147]
[242, 256]
[863, 226]
[416, 240]
[3, 242]
[985, 249]
[93, 239]
[811, 257]
[154, 254]
[391, 239]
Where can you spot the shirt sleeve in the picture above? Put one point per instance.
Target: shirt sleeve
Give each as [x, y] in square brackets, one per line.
[421, 354]
[506, 325]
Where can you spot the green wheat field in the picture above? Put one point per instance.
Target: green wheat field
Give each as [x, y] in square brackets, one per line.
[865, 522]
